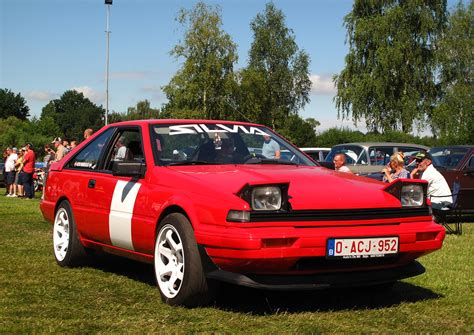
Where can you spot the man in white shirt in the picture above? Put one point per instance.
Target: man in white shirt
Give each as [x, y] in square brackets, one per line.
[339, 163]
[121, 150]
[10, 171]
[270, 148]
[438, 189]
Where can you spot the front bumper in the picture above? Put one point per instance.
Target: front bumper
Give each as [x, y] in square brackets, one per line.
[296, 250]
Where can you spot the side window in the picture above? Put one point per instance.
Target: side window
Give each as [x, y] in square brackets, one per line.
[127, 147]
[410, 153]
[471, 162]
[88, 157]
[380, 155]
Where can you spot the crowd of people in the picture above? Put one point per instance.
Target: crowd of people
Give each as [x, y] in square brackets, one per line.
[19, 166]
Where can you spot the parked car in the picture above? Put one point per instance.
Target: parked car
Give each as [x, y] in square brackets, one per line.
[318, 154]
[2, 176]
[456, 163]
[369, 158]
[223, 213]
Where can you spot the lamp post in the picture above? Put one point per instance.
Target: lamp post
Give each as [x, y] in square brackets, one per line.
[108, 3]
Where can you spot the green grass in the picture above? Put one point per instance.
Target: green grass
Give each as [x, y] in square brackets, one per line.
[116, 295]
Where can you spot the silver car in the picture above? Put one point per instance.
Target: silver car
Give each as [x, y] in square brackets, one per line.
[367, 158]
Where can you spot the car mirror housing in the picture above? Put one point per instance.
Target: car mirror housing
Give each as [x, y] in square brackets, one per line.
[129, 169]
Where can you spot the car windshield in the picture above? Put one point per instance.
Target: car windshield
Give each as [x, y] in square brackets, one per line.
[215, 143]
[354, 154]
[447, 157]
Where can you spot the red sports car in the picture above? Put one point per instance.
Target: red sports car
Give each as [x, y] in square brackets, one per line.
[208, 201]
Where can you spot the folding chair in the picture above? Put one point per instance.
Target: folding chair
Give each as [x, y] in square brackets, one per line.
[450, 216]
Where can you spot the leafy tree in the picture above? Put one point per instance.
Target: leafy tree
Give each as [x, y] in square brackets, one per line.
[16, 133]
[276, 82]
[73, 113]
[204, 84]
[142, 111]
[454, 116]
[389, 76]
[13, 105]
[300, 132]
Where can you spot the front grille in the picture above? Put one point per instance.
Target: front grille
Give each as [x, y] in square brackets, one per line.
[338, 214]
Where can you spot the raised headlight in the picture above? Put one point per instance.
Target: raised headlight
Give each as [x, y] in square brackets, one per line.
[412, 195]
[266, 198]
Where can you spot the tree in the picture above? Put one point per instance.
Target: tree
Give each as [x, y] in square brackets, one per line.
[13, 105]
[301, 133]
[276, 82]
[453, 118]
[389, 76]
[142, 111]
[73, 113]
[16, 133]
[204, 84]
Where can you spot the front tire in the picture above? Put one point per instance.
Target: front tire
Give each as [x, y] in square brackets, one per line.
[177, 262]
[68, 250]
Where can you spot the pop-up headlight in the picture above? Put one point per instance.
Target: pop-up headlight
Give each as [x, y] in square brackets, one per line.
[266, 198]
[412, 195]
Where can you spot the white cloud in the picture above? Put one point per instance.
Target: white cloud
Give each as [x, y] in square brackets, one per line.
[133, 75]
[96, 97]
[40, 95]
[152, 89]
[322, 84]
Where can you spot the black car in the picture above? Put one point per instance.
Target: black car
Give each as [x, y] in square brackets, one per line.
[2, 174]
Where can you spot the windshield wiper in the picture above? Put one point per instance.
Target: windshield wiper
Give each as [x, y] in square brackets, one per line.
[191, 163]
[270, 161]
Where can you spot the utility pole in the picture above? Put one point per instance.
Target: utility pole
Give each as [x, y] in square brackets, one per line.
[108, 3]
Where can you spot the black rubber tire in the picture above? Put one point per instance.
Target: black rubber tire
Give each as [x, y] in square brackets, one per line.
[75, 253]
[194, 289]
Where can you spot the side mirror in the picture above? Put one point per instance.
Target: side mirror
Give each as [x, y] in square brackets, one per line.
[129, 169]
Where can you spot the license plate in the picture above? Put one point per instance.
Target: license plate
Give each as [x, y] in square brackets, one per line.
[362, 247]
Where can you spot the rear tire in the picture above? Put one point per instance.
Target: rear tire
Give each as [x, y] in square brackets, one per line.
[68, 250]
[178, 268]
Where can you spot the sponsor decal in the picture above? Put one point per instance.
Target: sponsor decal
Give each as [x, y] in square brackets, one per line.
[219, 128]
[121, 213]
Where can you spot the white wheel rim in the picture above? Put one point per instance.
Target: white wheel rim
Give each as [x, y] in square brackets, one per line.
[61, 234]
[169, 261]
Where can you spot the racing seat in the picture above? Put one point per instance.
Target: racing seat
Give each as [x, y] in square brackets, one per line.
[450, 216]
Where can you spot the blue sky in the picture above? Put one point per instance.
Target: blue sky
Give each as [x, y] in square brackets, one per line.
[50, 46]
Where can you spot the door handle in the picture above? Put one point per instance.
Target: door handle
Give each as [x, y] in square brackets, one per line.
[91, 183]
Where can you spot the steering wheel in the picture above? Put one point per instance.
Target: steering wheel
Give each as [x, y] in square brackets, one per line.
[253, 156]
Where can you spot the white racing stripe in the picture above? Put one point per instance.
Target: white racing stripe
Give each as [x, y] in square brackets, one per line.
[121, 212]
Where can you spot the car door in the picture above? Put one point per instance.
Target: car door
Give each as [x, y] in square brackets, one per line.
[80, 176]
[466, 179]
[121, 201]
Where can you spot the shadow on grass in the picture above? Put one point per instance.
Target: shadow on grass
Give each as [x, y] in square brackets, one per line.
[261, 302]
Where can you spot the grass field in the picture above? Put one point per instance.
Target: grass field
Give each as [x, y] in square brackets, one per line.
[115, 295]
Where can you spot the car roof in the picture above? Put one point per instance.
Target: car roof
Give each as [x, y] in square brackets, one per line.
[315, 149]
[454, 147]
[384, 144]
[180, 121]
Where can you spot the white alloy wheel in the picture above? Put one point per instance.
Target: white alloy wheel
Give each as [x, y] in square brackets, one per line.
[169, 261]
[61, 234]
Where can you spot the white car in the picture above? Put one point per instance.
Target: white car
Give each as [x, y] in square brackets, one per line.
[318, 154]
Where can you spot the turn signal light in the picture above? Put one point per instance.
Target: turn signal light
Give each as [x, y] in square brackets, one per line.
[278, 242]
[426, 236]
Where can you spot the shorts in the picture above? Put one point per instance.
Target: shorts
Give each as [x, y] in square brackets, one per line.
[10, 177]
[19, 178]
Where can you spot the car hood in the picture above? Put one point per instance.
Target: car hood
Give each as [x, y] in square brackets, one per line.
[309, 187]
